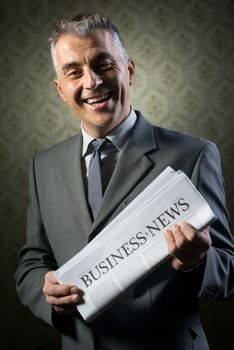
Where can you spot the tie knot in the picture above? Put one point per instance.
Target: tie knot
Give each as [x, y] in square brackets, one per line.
[97, 145]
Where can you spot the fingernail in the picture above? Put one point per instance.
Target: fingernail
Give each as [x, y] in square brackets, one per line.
[75, 297]
[73, 290]
[175, 227]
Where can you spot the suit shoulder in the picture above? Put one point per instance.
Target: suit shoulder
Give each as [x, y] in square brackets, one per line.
[59, 151]
[182, 150]
[169, 137]
[178, 138]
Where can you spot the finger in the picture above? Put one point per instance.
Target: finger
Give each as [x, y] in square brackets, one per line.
[170, 241]
[190, 249]
[60, 290]
[53, 288]
[174, 250]
[50, 278]
[176, 263]
[63, 301]
[200, 238]
[180, 259]
[52, 282]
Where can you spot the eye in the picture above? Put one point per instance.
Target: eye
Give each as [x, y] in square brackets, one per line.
[104, 66]
[73, 73]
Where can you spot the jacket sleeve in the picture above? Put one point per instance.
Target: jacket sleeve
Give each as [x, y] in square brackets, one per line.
[218, 278]
[35, 260]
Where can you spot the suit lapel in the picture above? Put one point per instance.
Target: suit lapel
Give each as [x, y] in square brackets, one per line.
[72, 180]
[130, 170]
[133, 165]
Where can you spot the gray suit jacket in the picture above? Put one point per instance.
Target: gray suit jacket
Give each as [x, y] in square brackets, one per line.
[162, 311]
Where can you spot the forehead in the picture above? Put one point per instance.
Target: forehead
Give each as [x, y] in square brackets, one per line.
[72, 45]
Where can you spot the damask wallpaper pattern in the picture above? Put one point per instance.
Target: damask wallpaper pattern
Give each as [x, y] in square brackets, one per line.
[184, 53]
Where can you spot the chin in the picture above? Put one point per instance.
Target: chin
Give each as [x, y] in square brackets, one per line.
[106, 124]
[104, 118]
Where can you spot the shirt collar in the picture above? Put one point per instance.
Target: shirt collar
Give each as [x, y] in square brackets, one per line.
[118, 136]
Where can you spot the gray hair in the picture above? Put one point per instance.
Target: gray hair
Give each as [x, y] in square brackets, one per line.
[82, 25]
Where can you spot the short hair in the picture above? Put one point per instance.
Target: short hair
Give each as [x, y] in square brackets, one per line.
[82, 25]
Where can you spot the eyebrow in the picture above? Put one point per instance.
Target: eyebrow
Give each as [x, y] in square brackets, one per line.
[74, 64]
[70, 65]
[102, 55]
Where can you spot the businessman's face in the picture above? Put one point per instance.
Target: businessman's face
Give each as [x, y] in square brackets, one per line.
[94, 79]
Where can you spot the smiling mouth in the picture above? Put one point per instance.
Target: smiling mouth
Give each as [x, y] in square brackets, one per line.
[98, 99]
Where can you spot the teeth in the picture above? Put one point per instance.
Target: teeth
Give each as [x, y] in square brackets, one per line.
[97, 99]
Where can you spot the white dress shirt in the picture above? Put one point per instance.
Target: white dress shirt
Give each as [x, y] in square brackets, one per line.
[111, 152]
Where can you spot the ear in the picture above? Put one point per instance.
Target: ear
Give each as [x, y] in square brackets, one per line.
[131, 71]
[58, 88]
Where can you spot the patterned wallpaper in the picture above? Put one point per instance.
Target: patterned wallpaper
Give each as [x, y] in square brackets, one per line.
[184, 53]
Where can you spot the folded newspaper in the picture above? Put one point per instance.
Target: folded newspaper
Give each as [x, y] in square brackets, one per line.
[133, 244]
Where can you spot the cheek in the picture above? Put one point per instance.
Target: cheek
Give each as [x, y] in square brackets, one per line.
[125, 86]
[72, 92]
[69, 86]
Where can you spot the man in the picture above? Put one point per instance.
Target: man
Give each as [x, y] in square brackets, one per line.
[93, 76]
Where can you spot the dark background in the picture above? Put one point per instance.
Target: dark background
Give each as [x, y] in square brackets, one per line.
[184, 52]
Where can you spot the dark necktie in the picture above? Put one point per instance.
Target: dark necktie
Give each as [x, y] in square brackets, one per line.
[95, 191]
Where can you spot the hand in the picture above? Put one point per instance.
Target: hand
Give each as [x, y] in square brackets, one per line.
[186, 245]
[63, 298]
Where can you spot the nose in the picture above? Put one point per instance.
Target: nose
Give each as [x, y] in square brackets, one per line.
[91, 79]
